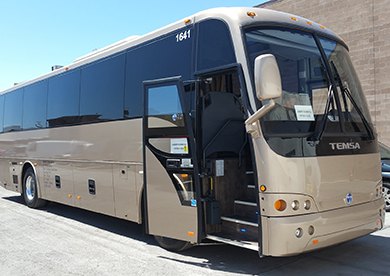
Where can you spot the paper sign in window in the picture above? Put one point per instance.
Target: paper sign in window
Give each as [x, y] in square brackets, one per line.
[304, 112]
[179, 145]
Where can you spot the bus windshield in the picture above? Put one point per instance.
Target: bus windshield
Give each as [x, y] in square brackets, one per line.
[316, 104]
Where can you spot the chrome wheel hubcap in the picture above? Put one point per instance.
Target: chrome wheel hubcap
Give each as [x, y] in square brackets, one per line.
[30, 188]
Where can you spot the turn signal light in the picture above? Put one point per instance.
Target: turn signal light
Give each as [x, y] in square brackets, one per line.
[280, 205]
[263, 188]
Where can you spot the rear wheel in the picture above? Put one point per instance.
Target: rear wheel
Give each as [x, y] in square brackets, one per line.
[386, 195]
[172, 244]
[30, 190]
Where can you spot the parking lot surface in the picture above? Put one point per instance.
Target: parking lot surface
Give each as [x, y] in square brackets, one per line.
[61, 240]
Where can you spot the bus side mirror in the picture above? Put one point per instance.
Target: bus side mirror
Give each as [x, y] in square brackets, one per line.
[267, 78]
[268, 87]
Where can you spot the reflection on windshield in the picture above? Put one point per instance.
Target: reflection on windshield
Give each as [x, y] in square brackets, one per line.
[303, 75]
[347, 83]
[311, 105]
[305, 81]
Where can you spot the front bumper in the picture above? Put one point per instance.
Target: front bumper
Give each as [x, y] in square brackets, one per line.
[330, 227]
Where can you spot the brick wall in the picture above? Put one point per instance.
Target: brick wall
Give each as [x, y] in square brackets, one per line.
[365, 27]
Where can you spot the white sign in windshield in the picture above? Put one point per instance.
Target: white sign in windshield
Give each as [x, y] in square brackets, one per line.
[304, 112]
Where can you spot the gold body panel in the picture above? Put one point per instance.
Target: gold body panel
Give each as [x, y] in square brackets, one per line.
[167, 217]
[108, 153]
[325, 182]
[330, 227]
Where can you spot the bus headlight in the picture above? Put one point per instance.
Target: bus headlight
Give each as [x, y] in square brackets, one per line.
[276, 204]
[311, 230]
[295, 205]
[307, 204]
[298, 232]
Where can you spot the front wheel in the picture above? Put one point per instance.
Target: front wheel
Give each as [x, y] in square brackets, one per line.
[172, 244]
[386, 195]
[30, 190]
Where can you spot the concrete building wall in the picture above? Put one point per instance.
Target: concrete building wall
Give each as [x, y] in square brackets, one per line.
[365, 27]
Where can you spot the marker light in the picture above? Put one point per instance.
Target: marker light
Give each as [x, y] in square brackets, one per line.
[190, 234]
[315, 242]
[263, 188]
[309, 23]
[322, 27]
[251, 14]
[293, 18]
[280, 205]
[184, 176]
[187, 21]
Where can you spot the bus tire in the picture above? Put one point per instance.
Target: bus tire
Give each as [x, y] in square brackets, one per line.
[386, 195]
[30, 190]
[172, 244]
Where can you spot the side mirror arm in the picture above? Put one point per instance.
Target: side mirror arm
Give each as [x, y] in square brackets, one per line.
[258, 115]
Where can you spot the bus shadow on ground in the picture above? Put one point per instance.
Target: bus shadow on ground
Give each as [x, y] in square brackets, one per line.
[364, 256]
[101, 221]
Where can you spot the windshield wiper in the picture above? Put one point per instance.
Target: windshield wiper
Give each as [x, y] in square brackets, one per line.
[320, 131]
[345, 91]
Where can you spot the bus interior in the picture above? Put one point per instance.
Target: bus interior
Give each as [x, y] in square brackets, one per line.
[228, 177]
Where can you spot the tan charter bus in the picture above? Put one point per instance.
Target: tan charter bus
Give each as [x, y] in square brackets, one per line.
[239, 125]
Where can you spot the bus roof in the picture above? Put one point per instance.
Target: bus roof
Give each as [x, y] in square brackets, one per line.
[234, 16]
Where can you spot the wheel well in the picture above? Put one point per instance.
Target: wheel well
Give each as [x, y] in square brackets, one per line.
[25, 167]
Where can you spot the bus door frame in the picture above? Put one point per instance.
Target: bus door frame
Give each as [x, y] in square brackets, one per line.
[170, 216]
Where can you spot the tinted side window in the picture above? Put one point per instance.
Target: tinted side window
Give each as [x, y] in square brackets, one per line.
[34, 105]
[215, 46]
[1, 112]
[13, 110]
[164, 107]
[64, 99]
[167, 57]
[102, 89]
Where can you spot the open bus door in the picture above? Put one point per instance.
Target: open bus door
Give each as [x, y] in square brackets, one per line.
[170, 167]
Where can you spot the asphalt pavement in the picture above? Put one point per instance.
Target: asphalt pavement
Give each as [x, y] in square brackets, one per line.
[61, 240]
